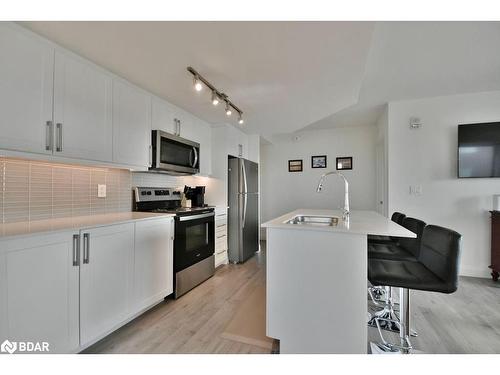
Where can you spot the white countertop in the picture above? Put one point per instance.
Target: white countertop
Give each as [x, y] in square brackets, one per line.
[10, 230]
[360, 222]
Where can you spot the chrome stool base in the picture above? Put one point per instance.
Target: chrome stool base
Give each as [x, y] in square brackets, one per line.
[404, 346]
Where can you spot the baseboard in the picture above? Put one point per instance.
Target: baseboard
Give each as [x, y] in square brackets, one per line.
[483, 272]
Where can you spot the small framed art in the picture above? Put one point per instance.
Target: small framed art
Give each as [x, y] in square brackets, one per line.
[344, 163]
[318, 161]
[295, 165]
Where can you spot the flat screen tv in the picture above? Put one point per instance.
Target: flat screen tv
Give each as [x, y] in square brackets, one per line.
[479, 150]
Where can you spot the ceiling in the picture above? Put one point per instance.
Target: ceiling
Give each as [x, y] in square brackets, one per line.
[288, 76]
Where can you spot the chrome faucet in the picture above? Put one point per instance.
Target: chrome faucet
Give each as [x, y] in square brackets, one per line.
[345, 211]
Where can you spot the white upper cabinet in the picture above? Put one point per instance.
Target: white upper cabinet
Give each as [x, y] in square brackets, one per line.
[237, 142]
[82, 109]
[39, 291]
[131, 125]
[26, 91]
[163, 116]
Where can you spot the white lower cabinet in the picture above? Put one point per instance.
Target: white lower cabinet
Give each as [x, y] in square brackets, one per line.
[39, 291]
[72, 288]
[154, 261]
[106, 275]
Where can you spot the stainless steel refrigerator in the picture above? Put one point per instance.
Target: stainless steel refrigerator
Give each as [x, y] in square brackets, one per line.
[243, 200]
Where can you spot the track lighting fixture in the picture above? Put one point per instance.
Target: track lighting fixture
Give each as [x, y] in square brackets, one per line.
[217, 96]
[197, 84]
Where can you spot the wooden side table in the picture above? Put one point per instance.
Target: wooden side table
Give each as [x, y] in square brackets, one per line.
[495, 245]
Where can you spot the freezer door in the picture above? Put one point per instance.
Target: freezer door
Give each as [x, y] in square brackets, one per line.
[249, 176]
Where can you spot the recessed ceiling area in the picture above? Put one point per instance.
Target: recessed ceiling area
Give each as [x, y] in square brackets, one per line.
[287, 76]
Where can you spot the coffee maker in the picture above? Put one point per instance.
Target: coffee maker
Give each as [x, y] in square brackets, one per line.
[196, 195]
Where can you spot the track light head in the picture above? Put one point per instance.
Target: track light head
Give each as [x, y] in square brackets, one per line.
[240, 119]
[197, 84]
[228, 109]
[215, 98]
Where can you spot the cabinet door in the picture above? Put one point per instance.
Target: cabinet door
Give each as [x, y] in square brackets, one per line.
[39, 291]
[131, 125]
[188, 128]
[26, 91]
[153, 266]
[163, 116]
[82, 109]
[204, 137]
[106, 274]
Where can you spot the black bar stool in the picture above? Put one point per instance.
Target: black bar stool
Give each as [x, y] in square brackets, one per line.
[436, 270]
[405, 249]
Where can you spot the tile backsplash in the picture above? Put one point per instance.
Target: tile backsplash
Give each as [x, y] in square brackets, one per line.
[34, 190]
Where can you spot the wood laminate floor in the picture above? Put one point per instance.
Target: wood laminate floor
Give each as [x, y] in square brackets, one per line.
[467, 321]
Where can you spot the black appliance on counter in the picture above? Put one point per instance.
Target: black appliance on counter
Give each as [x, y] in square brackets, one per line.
[194, 241]
[196, 195]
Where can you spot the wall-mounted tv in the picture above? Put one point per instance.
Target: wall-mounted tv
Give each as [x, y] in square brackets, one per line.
[479, 150]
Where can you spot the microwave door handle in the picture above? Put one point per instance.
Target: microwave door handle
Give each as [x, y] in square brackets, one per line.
[195, 157]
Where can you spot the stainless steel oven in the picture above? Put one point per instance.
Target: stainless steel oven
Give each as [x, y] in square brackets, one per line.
[194, 248]
[174, 154]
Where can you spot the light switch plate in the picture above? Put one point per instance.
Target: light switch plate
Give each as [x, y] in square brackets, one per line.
[101, 191]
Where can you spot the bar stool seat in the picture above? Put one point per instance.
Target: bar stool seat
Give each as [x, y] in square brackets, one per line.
[404, 274]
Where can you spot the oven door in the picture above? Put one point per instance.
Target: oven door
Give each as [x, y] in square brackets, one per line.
[175, 154]
[194, 239]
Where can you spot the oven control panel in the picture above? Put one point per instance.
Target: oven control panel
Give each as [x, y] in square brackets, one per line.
[149, 194]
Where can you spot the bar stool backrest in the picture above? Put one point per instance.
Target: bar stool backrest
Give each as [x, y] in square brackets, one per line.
[412, 244]
[440, 253]
[398, 217]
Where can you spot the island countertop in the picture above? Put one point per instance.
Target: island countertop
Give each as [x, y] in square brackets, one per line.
[360, 222]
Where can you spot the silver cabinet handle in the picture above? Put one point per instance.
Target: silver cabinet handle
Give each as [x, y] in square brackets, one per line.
[86, 248]
[206, 233]
[59, 129]
[177, 130]
[76, 250]
[49, 135]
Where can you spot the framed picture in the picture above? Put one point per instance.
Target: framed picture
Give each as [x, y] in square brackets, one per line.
[295, 165]
[344, 163]
[318, 161]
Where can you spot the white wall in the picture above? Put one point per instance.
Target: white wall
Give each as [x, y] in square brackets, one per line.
[282, 191]
[428, 157]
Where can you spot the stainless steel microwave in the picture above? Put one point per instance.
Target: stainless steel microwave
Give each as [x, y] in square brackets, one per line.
[173, 154]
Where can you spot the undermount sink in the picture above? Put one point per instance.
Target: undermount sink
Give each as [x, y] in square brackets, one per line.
[329, 221]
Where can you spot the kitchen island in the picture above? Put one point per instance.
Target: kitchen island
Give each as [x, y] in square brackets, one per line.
[317, 279]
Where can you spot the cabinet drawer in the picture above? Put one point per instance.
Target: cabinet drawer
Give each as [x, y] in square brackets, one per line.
[220, 221]
[219, 231]
[220, 244]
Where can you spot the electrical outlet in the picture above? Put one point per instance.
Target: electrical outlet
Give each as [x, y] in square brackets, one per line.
[101, 191]
[415, 189]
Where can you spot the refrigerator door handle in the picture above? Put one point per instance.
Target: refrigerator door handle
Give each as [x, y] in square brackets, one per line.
[244, 173]
[245, 201]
